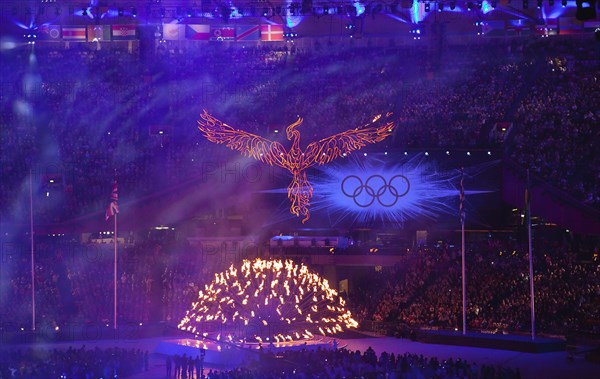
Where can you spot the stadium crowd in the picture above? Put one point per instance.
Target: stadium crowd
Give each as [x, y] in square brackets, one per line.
[557, 134]
[76, 117]
[426, 291]
[81, 363]
[158, 282]
[342, 363]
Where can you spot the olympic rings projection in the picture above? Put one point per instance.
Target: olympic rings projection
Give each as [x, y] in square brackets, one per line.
[376, 187]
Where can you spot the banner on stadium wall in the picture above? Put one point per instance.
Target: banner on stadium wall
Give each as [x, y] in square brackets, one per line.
[124, 32]
[550, 28]
[173, 32]
[271, 32]
[197, 32]
[98, 33]
[74, 33]
[247, 33]
[222, 33]
[569, 25]
[518, 28]
[49, 32]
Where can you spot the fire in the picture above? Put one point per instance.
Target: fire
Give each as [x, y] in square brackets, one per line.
[264, 299]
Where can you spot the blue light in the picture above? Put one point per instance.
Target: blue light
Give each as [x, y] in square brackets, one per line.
[283, 238]
[544, 16]
[486, 7]
[292, 21]
[421, 189]
[556, 13]
[235, 12]
[416, 12]
[7, 44]
[110, 13]
[397, 18]
[22, 26]
[360, 9]
[85, 12]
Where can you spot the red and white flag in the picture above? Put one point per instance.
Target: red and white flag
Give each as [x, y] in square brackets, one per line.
[271, 32]
[74, 33]
[124, 32]
[113, 206]
[197, 32]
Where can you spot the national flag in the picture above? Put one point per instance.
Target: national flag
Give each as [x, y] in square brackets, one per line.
[74, 33]
[49, 32]
[271, 32]
[569, 25]
[552, 25]
[517, 28]
[247, 33]
[173, 32]
[549, 28]
[222, 33]
[98, 33]
[124, 32]
[461, 197]
[113, 207]
[197, 32]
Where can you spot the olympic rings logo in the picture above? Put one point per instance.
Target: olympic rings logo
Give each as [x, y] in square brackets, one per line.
[374, 188]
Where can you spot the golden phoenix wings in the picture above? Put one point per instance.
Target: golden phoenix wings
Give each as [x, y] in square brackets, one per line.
[296, 160]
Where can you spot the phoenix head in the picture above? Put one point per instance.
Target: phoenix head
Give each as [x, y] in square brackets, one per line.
[290, 131]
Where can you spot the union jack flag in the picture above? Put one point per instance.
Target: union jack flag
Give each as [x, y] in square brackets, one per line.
[113, 207]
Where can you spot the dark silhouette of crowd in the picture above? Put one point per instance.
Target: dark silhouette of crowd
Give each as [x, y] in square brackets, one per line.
[182, 366]
[343, 363]
[76, 363]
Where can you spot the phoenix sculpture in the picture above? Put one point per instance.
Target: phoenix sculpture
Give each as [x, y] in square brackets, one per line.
[296, 160]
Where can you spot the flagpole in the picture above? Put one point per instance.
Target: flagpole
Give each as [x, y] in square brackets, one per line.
[462, 227]
[464, 283]
[115, 275]
[32, 250]
[113, 210]
[530, 251]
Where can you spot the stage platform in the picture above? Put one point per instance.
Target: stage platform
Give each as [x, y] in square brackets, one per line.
[493, 341]
[229, 354]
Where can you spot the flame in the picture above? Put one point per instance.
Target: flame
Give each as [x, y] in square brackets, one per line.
[307, 306]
